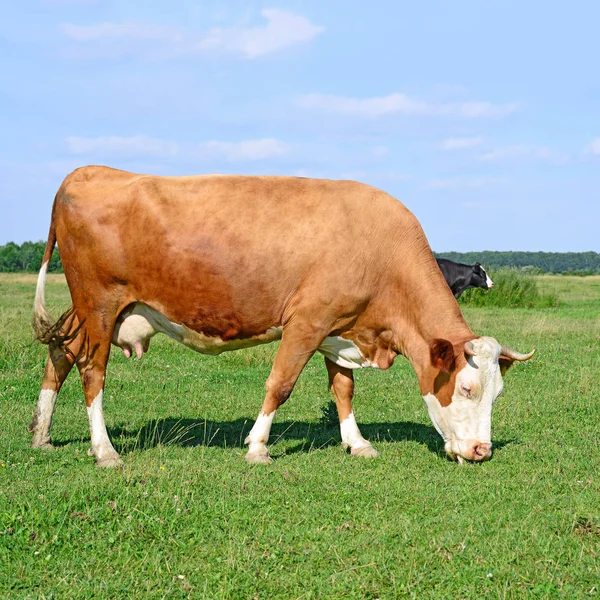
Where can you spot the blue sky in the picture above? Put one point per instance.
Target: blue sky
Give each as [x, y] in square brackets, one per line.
[482, 117]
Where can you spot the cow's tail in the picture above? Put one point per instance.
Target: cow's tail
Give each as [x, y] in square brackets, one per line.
[59, 333]
[42, 321]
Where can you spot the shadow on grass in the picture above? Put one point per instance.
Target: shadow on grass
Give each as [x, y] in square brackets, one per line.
[231, 434]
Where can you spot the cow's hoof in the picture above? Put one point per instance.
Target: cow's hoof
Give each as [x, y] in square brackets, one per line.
[90, 452]
[255, 458]
[365, 452]
[109, 462]
[42, 445]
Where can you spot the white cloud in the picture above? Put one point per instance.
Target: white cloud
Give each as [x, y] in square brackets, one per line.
[143, 146]
[137, 145]
[71, 2]
[525, 152]
[130, 30]
[460, 143]
[401, 104]
[282, 30]
[477, 110]
[366, 108]
[245, 150]
[378, 152]
[462, 183]
[473, 204]
[376, 178]
[357, 175]
[593, 147]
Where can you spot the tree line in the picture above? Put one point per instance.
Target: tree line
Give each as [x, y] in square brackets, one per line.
[578, 263]
[27, 258]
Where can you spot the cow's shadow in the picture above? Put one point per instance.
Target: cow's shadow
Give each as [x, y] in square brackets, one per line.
[185, 432]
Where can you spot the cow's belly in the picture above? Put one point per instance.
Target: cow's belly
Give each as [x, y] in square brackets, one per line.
[139, 323]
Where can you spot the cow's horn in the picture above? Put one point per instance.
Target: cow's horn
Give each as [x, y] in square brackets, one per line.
[470, 349]
[510, 353]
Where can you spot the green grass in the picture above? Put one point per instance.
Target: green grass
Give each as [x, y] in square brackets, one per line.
[187, 518]
[513, 288]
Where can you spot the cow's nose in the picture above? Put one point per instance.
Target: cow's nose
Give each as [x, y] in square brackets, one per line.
[482, 451]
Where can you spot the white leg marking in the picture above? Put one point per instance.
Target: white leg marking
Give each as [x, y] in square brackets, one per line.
[42, 419]
[102, 449]
[353, 439]
[257, 439]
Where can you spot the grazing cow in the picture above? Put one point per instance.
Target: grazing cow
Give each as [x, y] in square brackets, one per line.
[220, 262]
[463, 277]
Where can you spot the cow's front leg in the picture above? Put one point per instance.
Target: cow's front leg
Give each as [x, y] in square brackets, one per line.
[341, 383]
[296, 348]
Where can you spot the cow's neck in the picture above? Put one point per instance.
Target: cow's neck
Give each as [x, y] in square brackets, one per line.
[427, 310]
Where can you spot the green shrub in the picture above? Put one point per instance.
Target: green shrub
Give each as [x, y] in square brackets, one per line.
[513, 288]
[581, 272]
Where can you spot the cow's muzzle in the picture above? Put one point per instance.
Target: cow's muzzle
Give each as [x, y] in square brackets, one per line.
[473, 451]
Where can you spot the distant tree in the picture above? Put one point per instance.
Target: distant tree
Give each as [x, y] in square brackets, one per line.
[27, 258]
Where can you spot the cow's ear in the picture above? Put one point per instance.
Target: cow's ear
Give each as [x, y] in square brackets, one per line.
[442, 355]
[477, 264]
[505, 364]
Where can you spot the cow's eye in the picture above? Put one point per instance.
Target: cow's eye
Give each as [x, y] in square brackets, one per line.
[465, 389]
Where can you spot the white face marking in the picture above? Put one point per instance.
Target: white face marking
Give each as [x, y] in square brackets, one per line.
[488, 281]
[351, 436]
[101, 446]
[467, 420]
[43, 417]
[259, 434]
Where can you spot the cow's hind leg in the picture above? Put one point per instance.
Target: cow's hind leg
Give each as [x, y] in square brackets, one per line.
[54, 375]
[59, 363]
[297, 346]
[341, 383]
[92, 368]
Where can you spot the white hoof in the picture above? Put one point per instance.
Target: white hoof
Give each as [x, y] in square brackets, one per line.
[109, 462]
[258, 457]
[365, 451]
[42, 445]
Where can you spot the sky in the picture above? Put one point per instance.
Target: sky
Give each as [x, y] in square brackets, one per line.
[483, 118]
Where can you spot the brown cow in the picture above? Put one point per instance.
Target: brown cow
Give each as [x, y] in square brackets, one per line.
[222, 262]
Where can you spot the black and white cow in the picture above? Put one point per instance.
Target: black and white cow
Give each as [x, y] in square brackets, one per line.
[462, 277]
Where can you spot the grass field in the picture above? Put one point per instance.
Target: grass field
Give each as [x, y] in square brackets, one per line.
[186, 517]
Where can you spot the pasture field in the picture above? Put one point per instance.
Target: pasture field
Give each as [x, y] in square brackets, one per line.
[186, 517]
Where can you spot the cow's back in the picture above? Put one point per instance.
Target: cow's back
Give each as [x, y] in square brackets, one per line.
[224, 248]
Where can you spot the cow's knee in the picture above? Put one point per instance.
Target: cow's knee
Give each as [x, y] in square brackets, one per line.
[279, 391]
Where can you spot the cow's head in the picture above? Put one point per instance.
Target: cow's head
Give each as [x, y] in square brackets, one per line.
[480, 278]
[461, 387]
